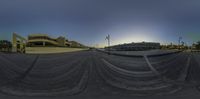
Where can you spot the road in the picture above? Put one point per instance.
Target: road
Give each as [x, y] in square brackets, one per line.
[96, 75]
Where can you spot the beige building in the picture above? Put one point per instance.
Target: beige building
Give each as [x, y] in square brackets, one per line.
[45, 40]
[20, 43]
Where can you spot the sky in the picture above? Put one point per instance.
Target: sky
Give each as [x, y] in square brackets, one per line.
[89, 21]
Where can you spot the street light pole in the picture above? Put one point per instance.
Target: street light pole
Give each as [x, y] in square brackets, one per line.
[108, 38]
[179, 42]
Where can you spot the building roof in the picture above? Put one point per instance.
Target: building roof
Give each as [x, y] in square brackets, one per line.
[38, 34]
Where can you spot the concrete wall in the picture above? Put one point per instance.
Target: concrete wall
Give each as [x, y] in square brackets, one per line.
[50, 50]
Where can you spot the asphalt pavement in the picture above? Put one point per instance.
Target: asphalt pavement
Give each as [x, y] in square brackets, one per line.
[96, 75]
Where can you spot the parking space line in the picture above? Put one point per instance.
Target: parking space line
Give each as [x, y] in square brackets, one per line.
[150, 66]
[185, 71]
[123, 70]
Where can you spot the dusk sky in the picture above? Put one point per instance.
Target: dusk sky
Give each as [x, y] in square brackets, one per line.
[89, 21]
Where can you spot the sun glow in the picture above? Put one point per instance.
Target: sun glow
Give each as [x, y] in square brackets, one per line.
[136, 37]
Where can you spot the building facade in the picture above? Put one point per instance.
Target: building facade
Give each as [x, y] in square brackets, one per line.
[45, 40]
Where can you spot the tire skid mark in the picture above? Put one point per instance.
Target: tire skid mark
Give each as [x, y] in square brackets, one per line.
[22, 75]
[119, 85]
[81, 86]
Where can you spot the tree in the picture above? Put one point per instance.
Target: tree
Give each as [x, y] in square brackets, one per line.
[6, 45]
[198, 45]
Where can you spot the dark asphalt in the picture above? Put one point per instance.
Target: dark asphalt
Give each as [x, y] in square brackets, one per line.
[96, 75]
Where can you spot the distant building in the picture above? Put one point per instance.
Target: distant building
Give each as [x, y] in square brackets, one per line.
[76, 44]
[135, 46]
[45, 40]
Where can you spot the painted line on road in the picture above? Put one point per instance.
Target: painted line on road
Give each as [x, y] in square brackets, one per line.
[185, 71]
[150, 66]
[124, 70]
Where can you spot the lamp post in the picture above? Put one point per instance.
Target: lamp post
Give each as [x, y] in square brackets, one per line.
[108, 39]
[179, 42]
